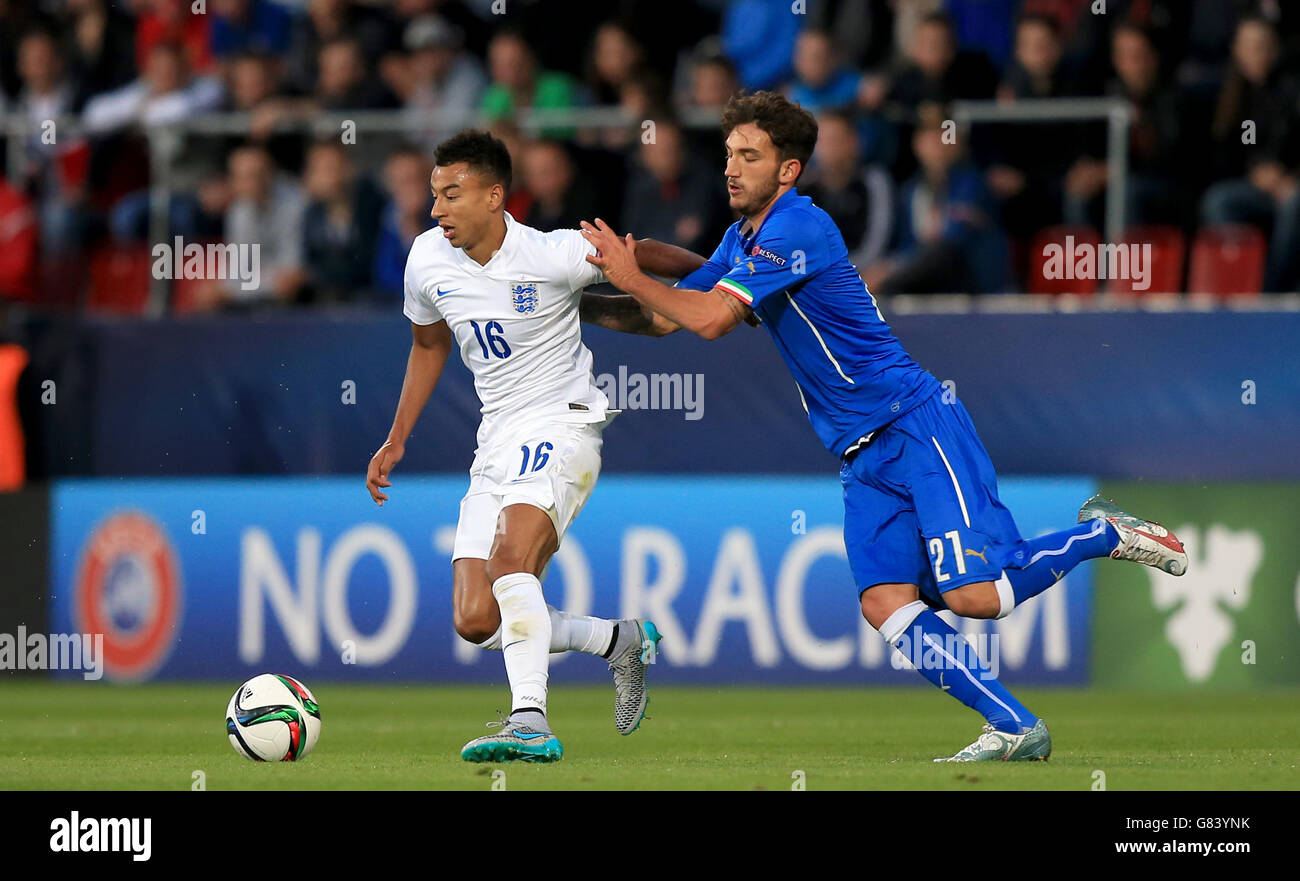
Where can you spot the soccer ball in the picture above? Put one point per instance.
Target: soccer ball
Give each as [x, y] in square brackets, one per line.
[273, 718]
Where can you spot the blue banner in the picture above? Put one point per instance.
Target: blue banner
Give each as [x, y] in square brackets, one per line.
[745, 577]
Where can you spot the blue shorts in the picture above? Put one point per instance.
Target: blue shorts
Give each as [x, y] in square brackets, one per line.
[921, 505]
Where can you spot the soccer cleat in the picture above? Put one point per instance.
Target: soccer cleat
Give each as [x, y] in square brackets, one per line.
[515, 742]
[638, 644]
[1035, 745]
[1142, 541]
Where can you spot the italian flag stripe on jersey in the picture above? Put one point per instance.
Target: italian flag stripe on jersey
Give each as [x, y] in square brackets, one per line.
[737, 289]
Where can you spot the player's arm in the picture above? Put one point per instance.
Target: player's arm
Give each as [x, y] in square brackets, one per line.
[665, 260]
[623, 313]
[430, 347]
[711, 315]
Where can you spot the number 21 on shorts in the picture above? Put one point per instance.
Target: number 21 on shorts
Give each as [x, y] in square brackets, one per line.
[936, 551]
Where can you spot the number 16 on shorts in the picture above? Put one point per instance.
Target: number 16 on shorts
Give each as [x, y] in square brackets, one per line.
[536, 460]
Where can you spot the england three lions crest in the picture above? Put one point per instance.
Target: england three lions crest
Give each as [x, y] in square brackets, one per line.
[523, 296]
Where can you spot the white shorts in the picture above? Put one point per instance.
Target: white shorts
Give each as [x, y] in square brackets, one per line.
[549, 465]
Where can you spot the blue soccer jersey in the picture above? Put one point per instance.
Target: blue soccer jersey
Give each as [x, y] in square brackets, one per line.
[853, 375]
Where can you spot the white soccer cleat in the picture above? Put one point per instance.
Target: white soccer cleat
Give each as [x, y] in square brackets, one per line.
[1142, 541]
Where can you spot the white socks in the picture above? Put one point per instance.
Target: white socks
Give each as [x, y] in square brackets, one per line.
[569, 633]
[525, 637]
[579, 633]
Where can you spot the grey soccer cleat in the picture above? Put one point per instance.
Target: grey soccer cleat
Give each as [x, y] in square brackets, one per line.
[1142, 541]
[1035, 745]
[638, 644]
[522, 741]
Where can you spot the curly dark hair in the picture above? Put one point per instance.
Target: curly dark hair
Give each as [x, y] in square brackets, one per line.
[485, 155]
[792, 129]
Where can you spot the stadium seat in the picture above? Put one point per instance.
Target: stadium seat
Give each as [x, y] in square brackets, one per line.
[1165, 272]
[13, 465]
[1228, 261]
[18, 243]
[1067, 237]
[119, 278]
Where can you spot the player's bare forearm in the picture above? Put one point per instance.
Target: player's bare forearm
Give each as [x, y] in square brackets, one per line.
[623, 313]
[709, 314]
[665, 260]
[430, 347]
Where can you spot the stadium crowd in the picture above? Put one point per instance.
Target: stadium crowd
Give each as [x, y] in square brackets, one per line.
[1215, 137]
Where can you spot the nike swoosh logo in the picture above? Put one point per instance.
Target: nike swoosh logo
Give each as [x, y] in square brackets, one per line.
[530, 736]
[449, 291]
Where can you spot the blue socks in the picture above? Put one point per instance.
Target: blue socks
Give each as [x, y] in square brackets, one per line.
[943, 656]
[1035, 565]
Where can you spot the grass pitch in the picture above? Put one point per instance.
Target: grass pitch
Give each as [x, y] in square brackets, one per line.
[98, 736]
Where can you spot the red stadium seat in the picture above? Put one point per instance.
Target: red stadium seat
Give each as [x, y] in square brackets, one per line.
[119, 278]
[1043, 262]
[18, 244]
[1227, 261]
[1164, 268]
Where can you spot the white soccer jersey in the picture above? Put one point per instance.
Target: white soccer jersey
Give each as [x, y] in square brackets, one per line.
[515, 320]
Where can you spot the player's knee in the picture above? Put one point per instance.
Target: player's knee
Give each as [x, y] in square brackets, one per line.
[476, 625]
[507, 560]
[974, 600]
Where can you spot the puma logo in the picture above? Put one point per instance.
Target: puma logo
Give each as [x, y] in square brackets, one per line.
[979, 554]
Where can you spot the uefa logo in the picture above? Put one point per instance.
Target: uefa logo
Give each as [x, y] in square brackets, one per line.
[128, 588]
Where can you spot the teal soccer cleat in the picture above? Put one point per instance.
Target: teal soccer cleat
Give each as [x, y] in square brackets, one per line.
[638, 644]
[515, 742]
[1035, 745]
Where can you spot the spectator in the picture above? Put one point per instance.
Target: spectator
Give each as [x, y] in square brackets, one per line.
[343, 82]
[863, 30]
[672, 199]
[47, 96]
[1261, 186]
[560, 198]
[164, 93]
[248, 25]
[948, 240]
[173, 21]
[935, 71]
[615, 59]
[406, 179]
[97, 46]
[1030, 160]
[518, 84]
[860, 200]
[713, 80]
[759, 36]
[821, 82]
[265, 209]
[1156, 155]
[986, 26]
[442, 80]
[329, 20]
[340, 225]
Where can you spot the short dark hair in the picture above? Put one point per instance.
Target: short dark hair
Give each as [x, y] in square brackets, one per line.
[484, 154]
[1051, 22]
[792, 129]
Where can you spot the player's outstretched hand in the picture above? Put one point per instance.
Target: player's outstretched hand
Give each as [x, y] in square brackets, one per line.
[615, 254]
[381, 463]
